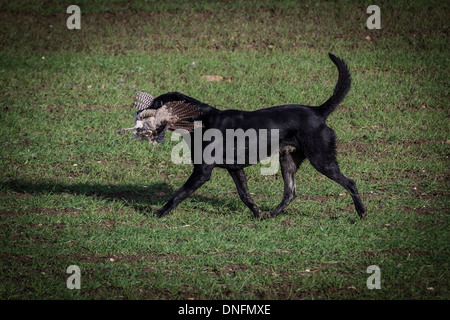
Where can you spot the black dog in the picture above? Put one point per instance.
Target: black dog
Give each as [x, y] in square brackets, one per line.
[302, 134]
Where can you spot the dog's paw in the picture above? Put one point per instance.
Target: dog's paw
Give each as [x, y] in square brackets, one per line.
[363, 215]
[159, 213]
[265, 215]
[274, 213]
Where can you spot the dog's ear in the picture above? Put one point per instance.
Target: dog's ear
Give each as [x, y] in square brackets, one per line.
[162, 134]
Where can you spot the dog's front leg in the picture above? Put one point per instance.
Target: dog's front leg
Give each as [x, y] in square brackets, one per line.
[240, 180]
[199, 176]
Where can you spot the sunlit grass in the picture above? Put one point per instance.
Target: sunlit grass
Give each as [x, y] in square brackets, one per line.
[72, 191]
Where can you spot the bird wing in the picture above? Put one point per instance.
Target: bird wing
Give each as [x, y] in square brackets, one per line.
[143, 100]
[180, 115]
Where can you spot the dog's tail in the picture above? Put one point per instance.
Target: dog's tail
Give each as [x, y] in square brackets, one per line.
[340, 90]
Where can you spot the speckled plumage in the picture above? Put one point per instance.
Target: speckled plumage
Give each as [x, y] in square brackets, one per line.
[152, 124]
[143, 100]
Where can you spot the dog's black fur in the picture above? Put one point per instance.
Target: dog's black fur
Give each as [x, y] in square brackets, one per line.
[302, 134]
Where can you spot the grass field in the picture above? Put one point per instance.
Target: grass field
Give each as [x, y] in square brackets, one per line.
[73, 192]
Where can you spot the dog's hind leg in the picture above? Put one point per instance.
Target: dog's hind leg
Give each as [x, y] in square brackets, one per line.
[199, 176]
[240, 180]
[290, 160]
[327, 165]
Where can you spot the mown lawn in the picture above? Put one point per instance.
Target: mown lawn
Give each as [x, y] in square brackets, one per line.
[74, 192]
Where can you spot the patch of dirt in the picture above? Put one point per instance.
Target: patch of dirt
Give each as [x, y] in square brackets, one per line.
[401, 252]
[88, 107]
[291, 291]
[360, 145]
[122, 258]
[42, 211]
[4, 212]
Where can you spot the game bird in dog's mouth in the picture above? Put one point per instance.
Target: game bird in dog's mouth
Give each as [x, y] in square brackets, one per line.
[151, 124]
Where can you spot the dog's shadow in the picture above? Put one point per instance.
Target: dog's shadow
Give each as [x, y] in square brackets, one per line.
[144, 199]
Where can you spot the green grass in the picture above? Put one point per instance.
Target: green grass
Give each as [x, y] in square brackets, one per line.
[73, 192]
